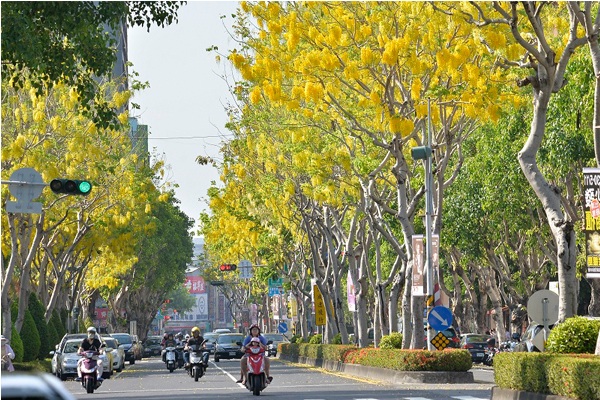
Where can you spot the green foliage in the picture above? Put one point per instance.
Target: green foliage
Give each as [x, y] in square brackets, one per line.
[34, 366]
[17, 344]
[299, 339]
[53, 338]
[571, 376]
[30, 337]
[337, 339]
[575, 335]
[316, 339]
[37, 312]
[58, 324]
[67, 41]
[181, 299]
[391, 341]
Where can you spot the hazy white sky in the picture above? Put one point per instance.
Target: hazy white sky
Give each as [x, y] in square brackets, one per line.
[184, 106]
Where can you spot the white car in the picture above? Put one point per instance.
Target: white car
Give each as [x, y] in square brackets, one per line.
[118, 354]
[64, 360]
[17, 385]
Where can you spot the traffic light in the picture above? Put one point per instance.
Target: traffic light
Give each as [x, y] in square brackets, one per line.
[227, 267]
[420, 152]
[70, 186]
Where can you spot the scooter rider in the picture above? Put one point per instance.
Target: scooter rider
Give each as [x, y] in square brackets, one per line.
[254, 332]
[91, 343]
[168, 342]
[195, 339]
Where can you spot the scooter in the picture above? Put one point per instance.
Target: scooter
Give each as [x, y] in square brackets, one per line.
[198, 361]
[89, 371]
[256, 379]
[171, 358]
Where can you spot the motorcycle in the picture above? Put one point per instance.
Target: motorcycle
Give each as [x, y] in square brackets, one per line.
[171, 358]
[256, 378]
[198, 361]
[488, 359]
[89, 368]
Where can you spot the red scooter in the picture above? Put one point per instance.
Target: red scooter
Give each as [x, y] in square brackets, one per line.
[89, 371]
[256, 379]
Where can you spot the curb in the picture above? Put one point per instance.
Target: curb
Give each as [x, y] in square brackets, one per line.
[383, 374]
[511, 394]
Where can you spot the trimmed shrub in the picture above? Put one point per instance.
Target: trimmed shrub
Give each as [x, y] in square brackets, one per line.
[53, 338]
[575, 376]
[316, 339]
[37, 312]
[575, 335]
[30, 338]
[391, 341]
[17, 344]
[59, 325]
[337, 339]
[299, 339]
[412, 360]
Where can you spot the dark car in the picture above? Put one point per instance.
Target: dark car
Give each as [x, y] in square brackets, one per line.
[211, 339]
[275, 339]
[129, 343]
[152, 346]
[476, 344]
[228, 347]
[450, 333]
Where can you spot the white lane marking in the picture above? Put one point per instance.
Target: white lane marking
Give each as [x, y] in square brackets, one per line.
[466, 398]
[228, 374]
[417, 398]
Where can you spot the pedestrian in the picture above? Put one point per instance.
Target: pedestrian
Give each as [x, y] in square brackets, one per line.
[8, 355]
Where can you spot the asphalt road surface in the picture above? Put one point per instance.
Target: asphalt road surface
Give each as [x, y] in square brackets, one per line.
[149, 379]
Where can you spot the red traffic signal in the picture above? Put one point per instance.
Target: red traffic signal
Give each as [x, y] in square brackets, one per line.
[227, 267]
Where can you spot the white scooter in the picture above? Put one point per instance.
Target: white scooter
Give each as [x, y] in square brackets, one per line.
[171, 358]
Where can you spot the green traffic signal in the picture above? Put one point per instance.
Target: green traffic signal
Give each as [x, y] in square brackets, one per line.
[71, 186]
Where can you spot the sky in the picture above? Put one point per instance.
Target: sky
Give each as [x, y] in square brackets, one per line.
[184, 105]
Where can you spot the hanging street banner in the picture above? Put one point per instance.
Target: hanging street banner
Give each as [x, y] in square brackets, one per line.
[591, 194]
[350, 293]
[418, 266]
[319, 303]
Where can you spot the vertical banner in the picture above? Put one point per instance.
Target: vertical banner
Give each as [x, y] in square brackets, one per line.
[591, 191]
[418, 265]
[350, 293]
[320, 313]
[435, 262]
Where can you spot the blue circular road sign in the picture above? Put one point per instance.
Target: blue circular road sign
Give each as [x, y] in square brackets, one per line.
[283, 328]
[440, 318]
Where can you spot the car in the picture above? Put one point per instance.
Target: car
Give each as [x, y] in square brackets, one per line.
[476, 344]
[133, 350]
[228, 346]
[451, 334]
[118, 354]
[211, 338]
[275, 338]
[65, 358]
[152, 346]
[526, 343]
[222, 330]
[38, 386]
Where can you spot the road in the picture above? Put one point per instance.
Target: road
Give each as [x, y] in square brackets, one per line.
[149, 379]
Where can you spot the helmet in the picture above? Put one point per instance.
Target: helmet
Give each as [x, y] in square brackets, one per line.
[195, 329]
[254, 326]
[187, 337]
[180, 335]
[91, 329]
[254, 340]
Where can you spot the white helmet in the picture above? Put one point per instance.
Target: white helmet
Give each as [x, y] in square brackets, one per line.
[91, 329]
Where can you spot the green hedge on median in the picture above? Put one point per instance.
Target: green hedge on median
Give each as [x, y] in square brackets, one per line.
[571, 375]
[400, 360]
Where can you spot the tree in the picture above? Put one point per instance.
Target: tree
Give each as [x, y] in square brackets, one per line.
[30, 337]
[73, 42]
[37, 312]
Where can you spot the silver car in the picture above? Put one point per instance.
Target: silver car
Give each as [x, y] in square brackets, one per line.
[65, 358]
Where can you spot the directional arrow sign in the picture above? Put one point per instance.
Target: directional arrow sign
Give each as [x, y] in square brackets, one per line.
[440, 318]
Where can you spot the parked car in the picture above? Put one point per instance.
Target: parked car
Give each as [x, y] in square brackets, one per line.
[133, 349]
[152, 346]
[526, 343]
[118, 354]
[276, 338]
[451, 334]
[38, 386]
[211, 339]
[228, 346]
[476, 344]
[64, 359]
